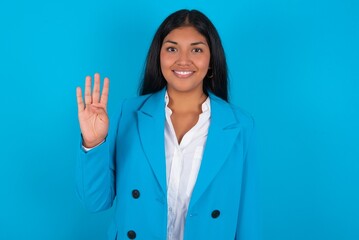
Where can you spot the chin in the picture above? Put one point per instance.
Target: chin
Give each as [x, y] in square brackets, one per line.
[184, 89]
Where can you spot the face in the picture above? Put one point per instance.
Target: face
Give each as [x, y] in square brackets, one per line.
[184, 58]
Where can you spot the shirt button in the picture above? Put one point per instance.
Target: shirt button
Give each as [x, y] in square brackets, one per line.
[215, 213]
[131, 234]
[135, 194]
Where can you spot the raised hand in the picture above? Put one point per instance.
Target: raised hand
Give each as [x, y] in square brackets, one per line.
[92, 114]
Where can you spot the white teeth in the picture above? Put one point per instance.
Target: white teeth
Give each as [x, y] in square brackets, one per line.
[183, 72]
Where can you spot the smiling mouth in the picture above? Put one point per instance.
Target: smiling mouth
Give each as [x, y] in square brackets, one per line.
[183, 74]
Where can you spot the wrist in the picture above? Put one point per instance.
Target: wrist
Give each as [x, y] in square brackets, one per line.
[90, 148]
[91, 144]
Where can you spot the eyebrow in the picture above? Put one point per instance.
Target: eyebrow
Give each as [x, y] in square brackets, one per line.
[192, 44]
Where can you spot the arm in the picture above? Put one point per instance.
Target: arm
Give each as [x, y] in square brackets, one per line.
[95, 177]
[95, 169]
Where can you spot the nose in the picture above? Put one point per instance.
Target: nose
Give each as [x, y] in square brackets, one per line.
[183, 59]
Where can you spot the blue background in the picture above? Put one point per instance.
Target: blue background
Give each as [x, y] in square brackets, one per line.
[293, 65]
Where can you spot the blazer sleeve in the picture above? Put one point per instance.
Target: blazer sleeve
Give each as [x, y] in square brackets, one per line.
[95, 170]
[248, 224]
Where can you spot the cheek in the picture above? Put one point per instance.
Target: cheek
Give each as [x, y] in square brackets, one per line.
[165, 65]
[203, 63]
[165, 60]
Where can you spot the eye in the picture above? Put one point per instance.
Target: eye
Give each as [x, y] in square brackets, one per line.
[197, 50]
[171, 49]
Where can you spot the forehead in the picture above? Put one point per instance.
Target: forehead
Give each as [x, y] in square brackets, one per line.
[185, 34]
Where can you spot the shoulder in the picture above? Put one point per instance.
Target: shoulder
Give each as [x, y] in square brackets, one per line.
[133, 104]
[244, 118]
[130, 103]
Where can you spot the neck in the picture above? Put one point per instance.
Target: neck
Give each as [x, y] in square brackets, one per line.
[186, 102]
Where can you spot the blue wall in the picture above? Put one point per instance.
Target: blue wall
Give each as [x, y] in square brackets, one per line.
[294, 64]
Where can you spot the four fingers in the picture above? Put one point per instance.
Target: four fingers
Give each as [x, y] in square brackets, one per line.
[95, 96]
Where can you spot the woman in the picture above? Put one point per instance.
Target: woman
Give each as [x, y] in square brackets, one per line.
[179, 159]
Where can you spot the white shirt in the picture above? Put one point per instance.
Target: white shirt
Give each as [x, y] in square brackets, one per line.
[182, 165]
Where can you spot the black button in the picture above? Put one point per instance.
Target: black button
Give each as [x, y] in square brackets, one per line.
[216, 213]
[135, 194]
[131, 234]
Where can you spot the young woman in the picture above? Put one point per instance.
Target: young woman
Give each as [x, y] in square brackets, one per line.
[179, 159]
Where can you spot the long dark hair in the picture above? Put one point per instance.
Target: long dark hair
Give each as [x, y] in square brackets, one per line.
[216, 79]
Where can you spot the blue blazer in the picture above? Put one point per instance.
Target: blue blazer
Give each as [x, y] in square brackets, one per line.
[129, 168]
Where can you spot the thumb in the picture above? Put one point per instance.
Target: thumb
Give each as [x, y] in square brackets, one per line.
[99, 110]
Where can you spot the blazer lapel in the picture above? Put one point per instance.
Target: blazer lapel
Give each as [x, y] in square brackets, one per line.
[151, 123]
[223, 131]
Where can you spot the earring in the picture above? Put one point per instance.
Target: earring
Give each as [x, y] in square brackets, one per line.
[209, 73]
